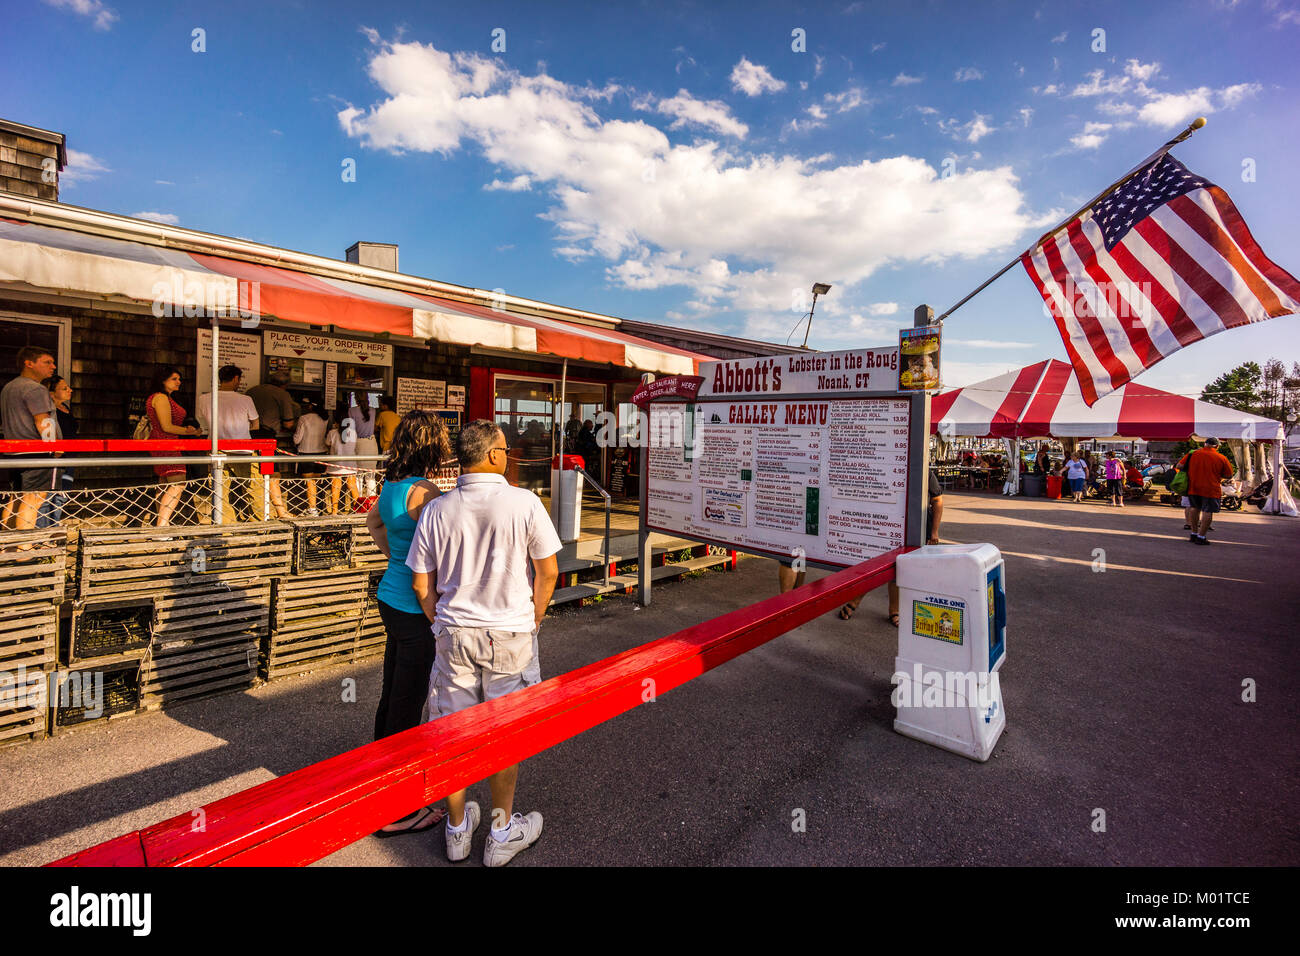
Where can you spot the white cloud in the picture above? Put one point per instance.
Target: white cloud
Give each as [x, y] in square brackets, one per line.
[976, 129]
[1169, 109]
[968, 73]
[877, 47]
[163, 182]
[1098, 83]
[1026, 114]
[167, 218]
[927, 111]
[738, 229]
[882, 308]
[1060, 37]
[850, 99]
[1114, 108]
[819, 64]
[753, 79]
[81, 168]
[904, 80]
[1051, 89]
[711, 114]
[103, 16]
[517, 185]
[1093, 135]
[816, 112]
[1230, 96]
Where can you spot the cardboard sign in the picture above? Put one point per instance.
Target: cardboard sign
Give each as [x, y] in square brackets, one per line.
[424, 393]
[233, 348]
[327, 348]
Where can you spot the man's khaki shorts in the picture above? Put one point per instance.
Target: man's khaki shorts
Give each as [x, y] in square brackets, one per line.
[474, 664]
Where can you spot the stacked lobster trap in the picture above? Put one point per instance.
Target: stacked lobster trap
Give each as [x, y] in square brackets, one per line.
[119, 621]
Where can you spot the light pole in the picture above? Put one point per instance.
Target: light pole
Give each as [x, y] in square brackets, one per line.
[819, 288]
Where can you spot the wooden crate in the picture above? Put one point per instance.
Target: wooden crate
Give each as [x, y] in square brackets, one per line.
[205, 643]
[107, 629]
[365, 553]
[37, 573]
[315, 621]
[145, 561]
[371, 635]
[73, 694]
[28, 654]
[322, 544]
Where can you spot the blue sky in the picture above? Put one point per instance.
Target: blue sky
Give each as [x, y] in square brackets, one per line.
[684, 163]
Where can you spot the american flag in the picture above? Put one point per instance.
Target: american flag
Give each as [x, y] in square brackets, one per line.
[1163, 261]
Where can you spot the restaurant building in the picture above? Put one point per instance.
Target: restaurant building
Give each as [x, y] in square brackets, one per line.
[114, 298]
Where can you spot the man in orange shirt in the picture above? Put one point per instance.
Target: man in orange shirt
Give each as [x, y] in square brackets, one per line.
[1206, 469]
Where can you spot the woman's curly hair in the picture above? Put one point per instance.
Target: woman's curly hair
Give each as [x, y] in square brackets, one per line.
[420, 445]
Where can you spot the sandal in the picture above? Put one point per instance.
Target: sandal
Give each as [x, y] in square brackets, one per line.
[846, 612]
[425, 818]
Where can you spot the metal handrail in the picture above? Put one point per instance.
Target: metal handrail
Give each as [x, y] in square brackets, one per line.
[609, 501]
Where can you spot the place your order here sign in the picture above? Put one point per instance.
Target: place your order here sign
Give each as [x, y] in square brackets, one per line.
[816, 454]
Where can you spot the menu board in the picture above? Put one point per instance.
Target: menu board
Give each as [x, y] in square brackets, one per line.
[828, 476]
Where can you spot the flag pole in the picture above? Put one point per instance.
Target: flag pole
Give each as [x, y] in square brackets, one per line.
[1191, 128]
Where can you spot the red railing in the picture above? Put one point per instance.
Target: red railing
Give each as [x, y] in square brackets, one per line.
[308, 814]
[262, 446]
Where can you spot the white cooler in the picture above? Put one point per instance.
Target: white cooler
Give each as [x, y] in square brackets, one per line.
[951, 643]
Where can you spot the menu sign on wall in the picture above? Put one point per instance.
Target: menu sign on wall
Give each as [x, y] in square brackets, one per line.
[424, 393]
[233, 348]
[852, 370]
[825, 478]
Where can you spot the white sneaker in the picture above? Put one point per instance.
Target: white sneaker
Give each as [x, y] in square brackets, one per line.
[524, 831]
[458, 843]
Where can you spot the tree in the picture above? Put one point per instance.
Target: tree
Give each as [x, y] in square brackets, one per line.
[1239, 388]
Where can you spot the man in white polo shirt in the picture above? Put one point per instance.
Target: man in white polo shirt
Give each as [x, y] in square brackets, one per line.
[469, 557]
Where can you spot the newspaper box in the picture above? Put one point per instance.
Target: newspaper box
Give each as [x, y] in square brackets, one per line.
[951, 643]
[566, 496]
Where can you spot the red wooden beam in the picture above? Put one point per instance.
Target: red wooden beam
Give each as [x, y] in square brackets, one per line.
[306, 815]
[264, 446]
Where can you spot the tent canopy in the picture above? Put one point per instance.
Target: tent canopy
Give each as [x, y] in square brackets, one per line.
[67, 261]
[1043, 401]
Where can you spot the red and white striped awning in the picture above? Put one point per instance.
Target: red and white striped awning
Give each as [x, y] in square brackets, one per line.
[1043, 400]
[192, 283]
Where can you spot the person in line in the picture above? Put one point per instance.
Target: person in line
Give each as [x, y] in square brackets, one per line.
[419, 447]
[1114, 469]
[236, 419]
[1076, 472]
[51, 511]
[1207, 469]
[363, 421]
[341, 439]
[1044, 461]
[277, 412]
[27, 413]
[469, 557]
[933, 519]
[386, 422]
[167, 420]
[309, 439]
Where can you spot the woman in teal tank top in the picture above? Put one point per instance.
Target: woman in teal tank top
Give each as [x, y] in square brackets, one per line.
[418, 449]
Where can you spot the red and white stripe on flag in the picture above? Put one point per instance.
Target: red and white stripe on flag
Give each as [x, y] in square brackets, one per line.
[1135, 277]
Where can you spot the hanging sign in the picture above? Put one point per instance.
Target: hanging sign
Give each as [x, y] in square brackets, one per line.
[918, 367]
[329, 348]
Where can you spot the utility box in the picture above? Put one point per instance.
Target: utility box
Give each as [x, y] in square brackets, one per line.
[951, 643]
[566, 496]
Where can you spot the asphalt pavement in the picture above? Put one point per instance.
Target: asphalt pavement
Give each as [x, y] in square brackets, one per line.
[1129, 651]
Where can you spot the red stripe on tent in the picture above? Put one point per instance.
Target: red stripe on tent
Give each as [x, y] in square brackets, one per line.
[939, 406]
[1217, 238]
[1154, 415]
[298, 297]
[1037, 419]
[1006, 420]
[1241, 234]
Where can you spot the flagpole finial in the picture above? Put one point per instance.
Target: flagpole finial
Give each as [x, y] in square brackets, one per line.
[1198, 122]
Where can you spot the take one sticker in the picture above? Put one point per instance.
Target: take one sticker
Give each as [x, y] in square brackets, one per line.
[938, 619]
